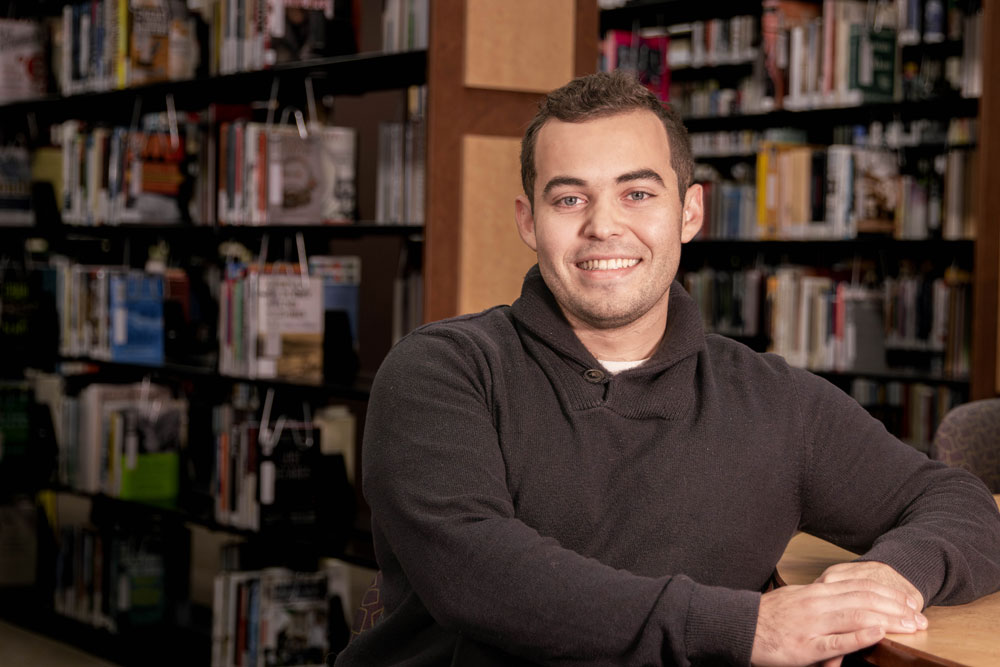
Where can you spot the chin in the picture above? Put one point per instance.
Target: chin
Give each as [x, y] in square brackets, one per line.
[605, 319]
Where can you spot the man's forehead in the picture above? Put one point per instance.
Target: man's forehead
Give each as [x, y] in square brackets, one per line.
[640, 121]
[639, 133]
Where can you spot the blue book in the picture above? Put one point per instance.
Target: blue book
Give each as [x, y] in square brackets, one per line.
[136, 305]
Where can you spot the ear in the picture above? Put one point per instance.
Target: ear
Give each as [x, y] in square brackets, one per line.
[693, 213]
[525, 221]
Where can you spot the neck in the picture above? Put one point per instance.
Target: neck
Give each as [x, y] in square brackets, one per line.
[630, 342]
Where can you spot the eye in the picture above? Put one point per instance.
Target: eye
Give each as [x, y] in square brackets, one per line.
[638, 195]
[568, 201]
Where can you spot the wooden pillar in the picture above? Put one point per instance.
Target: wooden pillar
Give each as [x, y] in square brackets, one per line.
[474, 103]
[986, 284]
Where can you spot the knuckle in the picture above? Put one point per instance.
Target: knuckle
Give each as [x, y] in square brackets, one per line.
[859, 617]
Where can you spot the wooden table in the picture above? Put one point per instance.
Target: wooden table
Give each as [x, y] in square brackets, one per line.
[967, 634]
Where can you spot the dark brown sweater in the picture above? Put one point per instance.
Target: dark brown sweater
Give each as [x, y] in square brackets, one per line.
[526, 503]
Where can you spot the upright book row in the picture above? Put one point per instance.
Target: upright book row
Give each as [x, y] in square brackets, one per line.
[122, 440]
[811, 55]
[219, 166]
[277, 322]
[400, 176]
[838, 191]
[192, 170]
[275, 616]
[652, 53]
[109, 313]
[100, 45]
[275, 477]
[846, 52]
[405, 25]
[110, 578]
[808, 192]
[825, 324]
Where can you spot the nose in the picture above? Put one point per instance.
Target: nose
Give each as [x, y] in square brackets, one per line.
[603, 221]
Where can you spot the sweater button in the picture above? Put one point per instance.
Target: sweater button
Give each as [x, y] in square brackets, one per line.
[594, 375]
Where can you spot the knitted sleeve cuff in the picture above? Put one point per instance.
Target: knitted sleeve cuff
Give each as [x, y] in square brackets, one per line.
[720, 625]
[922, 564]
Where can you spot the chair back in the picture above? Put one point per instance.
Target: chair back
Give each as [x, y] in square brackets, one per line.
[969, 437]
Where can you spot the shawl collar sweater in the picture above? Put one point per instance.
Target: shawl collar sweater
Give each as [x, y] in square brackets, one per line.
[528, 507]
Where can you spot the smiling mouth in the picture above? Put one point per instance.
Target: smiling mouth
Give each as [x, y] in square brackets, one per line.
[607, 264]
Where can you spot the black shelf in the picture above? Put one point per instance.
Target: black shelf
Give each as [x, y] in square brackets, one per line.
[175, 644]
[646, 13]
[338, 75]
[829, 117]
[867, 241]
[825, 252]
[357, 550]
[724, 71]
[896, 376]
[205, 232]
[358, 391]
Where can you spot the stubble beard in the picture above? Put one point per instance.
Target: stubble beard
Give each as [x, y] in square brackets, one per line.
[607, 311]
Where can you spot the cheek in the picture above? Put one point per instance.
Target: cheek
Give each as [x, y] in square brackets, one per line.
[660, 234]
[554, 240]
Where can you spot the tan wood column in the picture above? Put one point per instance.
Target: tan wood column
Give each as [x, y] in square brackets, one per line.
[986, 283]
[489, 63]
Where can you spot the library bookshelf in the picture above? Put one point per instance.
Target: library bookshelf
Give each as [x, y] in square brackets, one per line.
[414, 265]
[738, 106]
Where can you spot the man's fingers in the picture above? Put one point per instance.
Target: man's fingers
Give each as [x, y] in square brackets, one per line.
[849, 642]
[849, 619]
[871, 587]
[878, 572]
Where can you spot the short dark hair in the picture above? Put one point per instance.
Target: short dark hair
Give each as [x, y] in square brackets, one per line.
[597, 96]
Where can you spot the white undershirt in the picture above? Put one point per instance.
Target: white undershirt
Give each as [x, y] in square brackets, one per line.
[615, 367]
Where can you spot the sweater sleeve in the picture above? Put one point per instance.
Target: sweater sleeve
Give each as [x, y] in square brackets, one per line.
[435, 478]
[868, 492]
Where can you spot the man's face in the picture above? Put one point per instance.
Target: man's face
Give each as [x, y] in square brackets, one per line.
[608, 222]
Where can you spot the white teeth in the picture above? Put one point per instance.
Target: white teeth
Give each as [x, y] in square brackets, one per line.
[606, 264]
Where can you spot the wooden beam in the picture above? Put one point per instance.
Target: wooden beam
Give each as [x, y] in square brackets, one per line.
[455, 111]
[986, 281]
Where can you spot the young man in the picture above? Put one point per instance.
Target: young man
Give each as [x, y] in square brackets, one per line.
[586, 478]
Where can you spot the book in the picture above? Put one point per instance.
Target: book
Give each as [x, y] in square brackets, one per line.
[311, 180]
[135, 302]
[778, 18]
[297, 612]
[289, 483]
[87, 460]
[645, 55]
[297, 30]
[144, 444]
[149, 42]
[23, 70]
[876, 191]
[872, 66]
[288, 327]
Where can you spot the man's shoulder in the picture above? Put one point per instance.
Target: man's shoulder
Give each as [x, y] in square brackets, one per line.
[475, 333]
[733, 356]
[765, 371]
[485, 325]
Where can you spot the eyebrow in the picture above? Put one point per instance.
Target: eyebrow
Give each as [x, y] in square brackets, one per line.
[637, 175]
[640, 175]
[556, 181]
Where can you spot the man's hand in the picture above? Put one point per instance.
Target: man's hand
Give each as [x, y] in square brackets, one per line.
[879, 572]
[825, 620]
